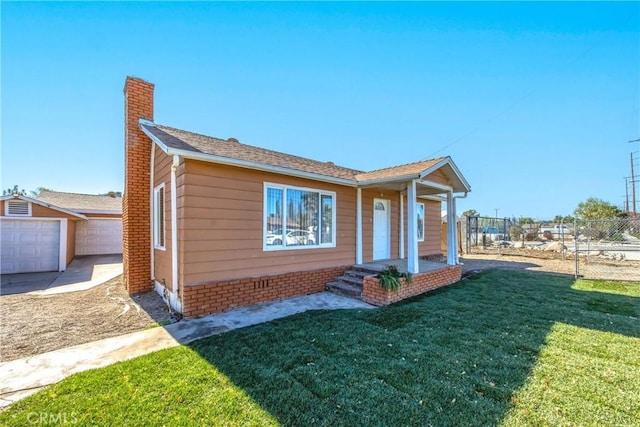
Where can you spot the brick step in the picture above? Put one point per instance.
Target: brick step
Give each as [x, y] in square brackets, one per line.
[345, 289]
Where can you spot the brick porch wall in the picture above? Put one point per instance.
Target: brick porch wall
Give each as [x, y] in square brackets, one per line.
[216, 297]
[373, 294]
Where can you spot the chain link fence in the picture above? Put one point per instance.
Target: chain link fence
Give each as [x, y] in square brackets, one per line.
[607, 249]
[598, 249]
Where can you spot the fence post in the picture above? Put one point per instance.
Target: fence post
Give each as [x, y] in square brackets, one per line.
[575, 244]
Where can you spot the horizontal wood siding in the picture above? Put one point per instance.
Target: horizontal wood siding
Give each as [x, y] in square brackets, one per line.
[162, 258]
[432, 229]
[432, 220]
[71, 241]
[439, 177]
[221, 225]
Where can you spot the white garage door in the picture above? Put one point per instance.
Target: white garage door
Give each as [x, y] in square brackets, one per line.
[29, 245]
[99, 236]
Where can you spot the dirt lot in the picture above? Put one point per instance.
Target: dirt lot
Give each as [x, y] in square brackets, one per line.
[33, 324]
[478, 262]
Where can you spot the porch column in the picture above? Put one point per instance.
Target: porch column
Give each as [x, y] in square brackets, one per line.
[401, 226]
[412, 224]
[358, 226]
[451, 230]
[454, 216]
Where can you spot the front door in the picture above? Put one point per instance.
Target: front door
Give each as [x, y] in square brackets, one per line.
[381, 229]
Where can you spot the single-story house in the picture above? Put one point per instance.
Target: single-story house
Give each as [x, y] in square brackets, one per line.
[44, 233]
[214, 223]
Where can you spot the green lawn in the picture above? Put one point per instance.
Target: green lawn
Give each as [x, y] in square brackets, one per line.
[500, 348]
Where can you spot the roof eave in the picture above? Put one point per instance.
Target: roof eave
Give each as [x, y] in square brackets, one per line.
[242, 163]
[448, 161]
[99, 211]
[44, 204]
[388, 180]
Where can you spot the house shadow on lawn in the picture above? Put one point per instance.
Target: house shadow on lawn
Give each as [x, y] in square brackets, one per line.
[455, 356]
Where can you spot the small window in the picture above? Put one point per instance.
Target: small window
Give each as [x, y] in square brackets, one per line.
[17, 208]
[379, 206]
[158, 217]
[420, 227]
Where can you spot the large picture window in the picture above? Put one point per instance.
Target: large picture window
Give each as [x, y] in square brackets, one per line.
[158, 217]
[297, 217]
[420, 227]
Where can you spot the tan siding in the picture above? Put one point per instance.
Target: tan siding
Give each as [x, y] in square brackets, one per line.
[432, 221]
[221, 225]
[431, 244]
[71, 241]
[42, 212]
[162, 258]
[439, 177]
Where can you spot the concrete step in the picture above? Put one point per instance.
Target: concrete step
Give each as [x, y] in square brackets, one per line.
[345, 289]
[351, 280]
[364, 271]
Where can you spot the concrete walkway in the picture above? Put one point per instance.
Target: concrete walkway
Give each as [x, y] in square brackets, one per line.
[85, 273]
[82, 273]
[22, 377]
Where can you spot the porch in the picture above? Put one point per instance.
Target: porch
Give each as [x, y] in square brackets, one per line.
[360, 281]
[402, 265]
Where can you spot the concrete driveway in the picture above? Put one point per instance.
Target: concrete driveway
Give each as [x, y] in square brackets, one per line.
[83, 273]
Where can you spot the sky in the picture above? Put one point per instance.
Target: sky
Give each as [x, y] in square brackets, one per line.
[535, 102]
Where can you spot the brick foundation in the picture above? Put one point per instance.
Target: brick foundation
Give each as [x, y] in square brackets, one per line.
[216, 297]
[372, 293]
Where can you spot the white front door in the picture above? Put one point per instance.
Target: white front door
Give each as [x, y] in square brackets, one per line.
[381, 229]
[29, 245]
[99, 236]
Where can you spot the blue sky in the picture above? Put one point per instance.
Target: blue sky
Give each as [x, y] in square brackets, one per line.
[535, 102]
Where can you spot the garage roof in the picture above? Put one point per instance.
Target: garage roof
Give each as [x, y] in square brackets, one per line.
[84, 203]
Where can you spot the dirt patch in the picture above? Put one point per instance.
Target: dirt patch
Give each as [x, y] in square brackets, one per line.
[594, 267]
[33, 324]
[546, 264]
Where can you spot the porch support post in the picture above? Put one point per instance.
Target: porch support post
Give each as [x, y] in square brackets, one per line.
[358, 226]
[451, 230]
[412, 224]
[401, 226]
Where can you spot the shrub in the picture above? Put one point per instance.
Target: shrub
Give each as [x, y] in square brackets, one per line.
[389, 278]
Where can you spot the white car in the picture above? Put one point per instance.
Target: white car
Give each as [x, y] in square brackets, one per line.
[294, 238]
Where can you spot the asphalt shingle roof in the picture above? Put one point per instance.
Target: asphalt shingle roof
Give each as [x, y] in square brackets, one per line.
[232, 149]
[81, 202]
[397, 171]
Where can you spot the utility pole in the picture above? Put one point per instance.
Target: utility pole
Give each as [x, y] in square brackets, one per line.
[633, 188]
[626, 195]
[633, 182]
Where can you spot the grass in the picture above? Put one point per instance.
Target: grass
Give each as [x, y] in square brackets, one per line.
[500, 348]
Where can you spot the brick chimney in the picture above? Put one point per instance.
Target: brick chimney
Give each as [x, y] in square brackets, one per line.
[136, 209]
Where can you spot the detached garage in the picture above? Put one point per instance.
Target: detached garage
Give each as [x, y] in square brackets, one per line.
[35, 236]
[46, 232]
[101, 234]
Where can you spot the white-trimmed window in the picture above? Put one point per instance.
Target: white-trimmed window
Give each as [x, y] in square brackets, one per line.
[158, 217]
[17, 207]
[297, 217]
[420, 225]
